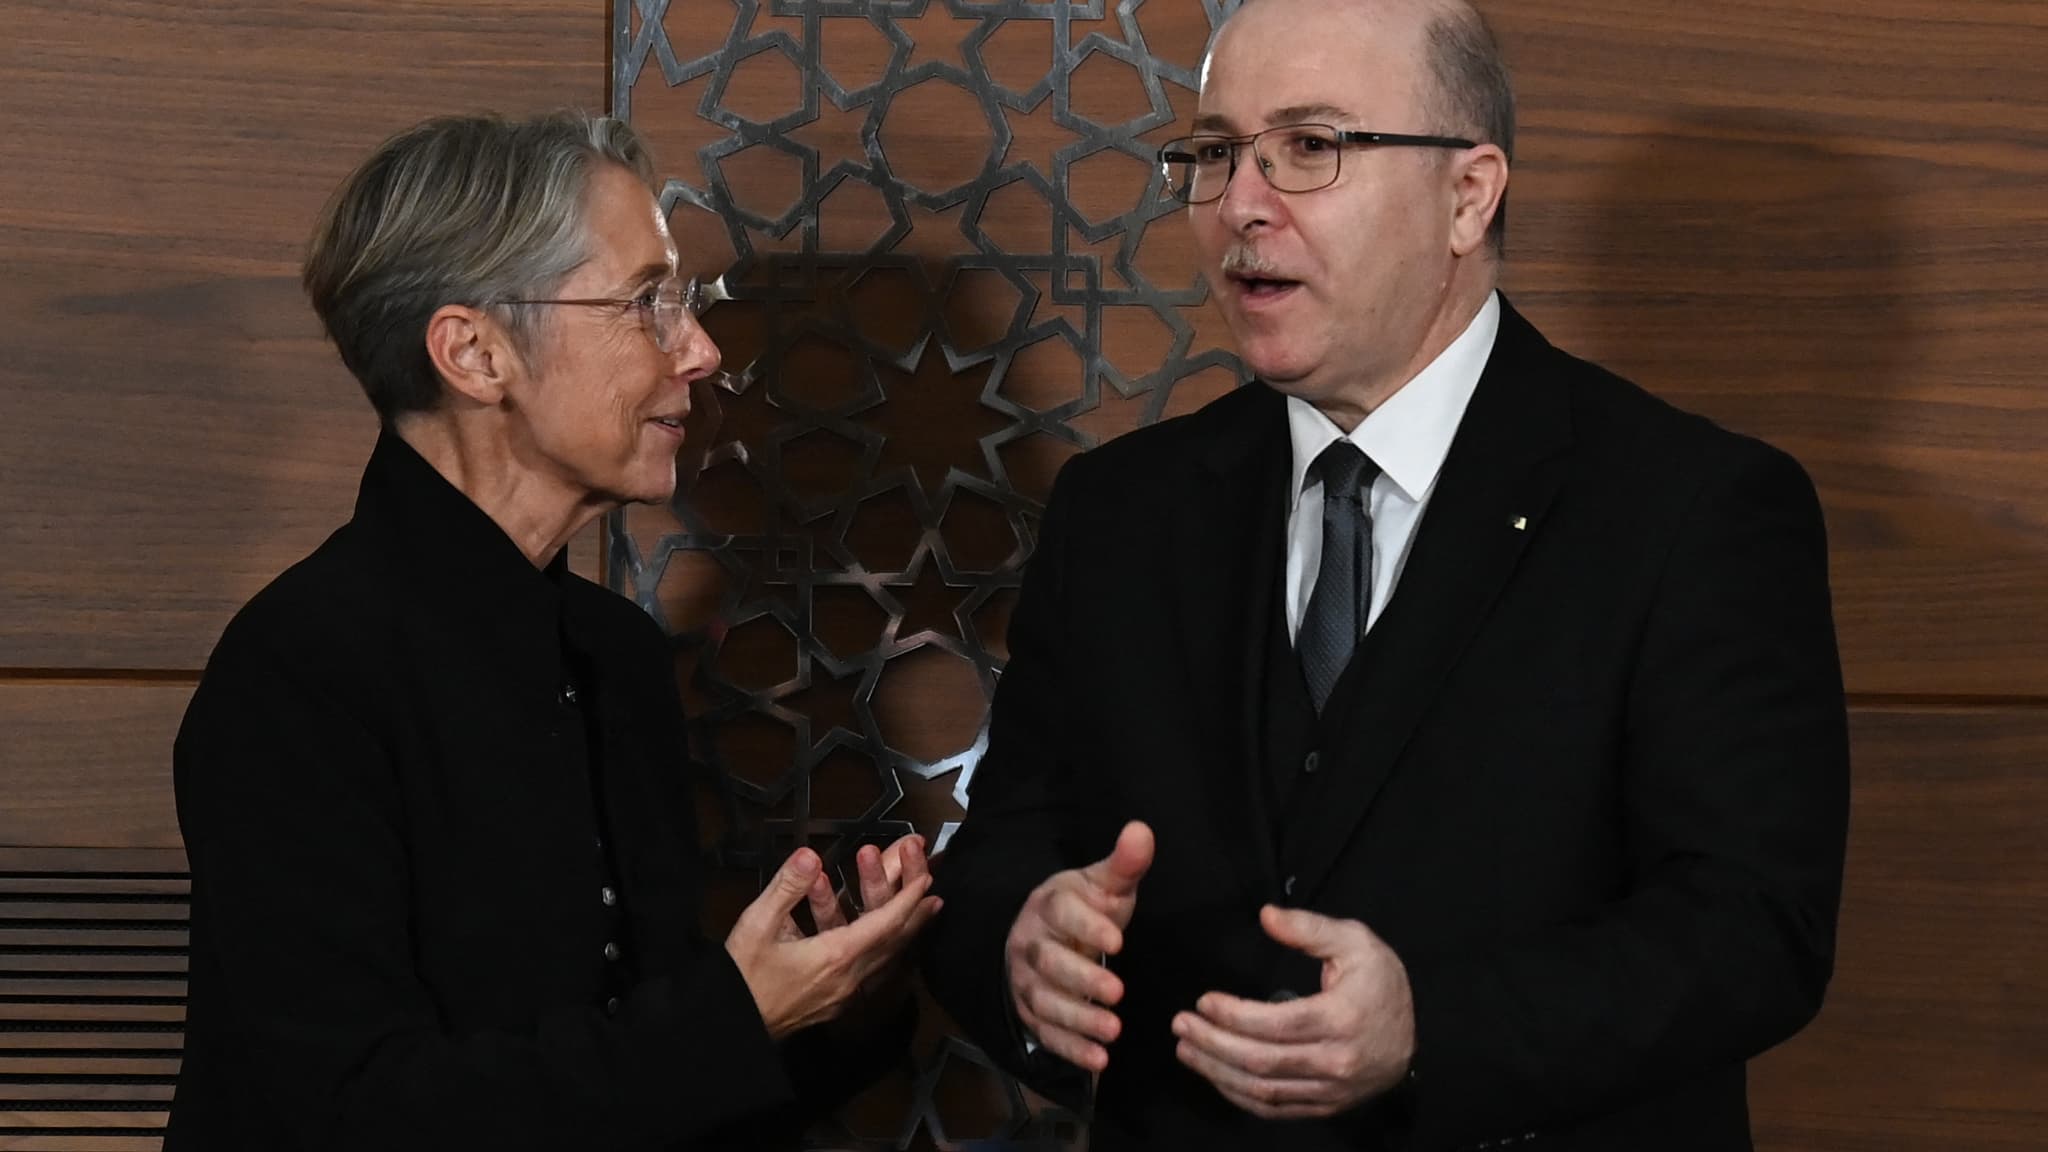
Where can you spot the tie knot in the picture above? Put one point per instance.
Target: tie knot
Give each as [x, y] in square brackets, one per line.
[1344, 470]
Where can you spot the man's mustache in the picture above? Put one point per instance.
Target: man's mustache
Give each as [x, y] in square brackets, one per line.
[1243, 260]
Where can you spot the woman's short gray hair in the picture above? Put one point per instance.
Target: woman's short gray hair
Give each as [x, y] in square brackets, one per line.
[458, 210]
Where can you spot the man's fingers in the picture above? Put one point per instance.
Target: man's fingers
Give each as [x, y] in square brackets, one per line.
[1267, 1111]
[770, 910]
[1072, 1047]
[1070, 917]
[1260, 1058]
[1261, 1096]
[1119, 872]
[1305, 1019]
[1065, 1043]
[1062, 1009]
[1077, 975]
[1320, 936]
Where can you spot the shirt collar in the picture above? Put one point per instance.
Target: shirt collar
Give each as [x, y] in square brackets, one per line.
[1410, 434]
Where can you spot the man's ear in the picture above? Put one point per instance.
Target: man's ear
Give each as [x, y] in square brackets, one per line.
[1480, 181]
[472, 352]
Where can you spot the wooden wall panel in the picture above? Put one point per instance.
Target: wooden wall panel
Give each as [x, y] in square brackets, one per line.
[1935, 1031]
[88, 765]
[173, 429]
[1821, 222]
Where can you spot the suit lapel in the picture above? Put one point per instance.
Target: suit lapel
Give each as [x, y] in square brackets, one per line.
[1504, 466]
[1228, 534]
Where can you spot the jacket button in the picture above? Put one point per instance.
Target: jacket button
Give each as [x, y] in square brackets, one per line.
[568, 696]
[1310, 763]
[611, 951]
[611, 1006]
[608, 896]
[1287, 888]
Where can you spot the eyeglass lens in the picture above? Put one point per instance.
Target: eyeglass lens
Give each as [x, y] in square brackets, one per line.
[1297, 158]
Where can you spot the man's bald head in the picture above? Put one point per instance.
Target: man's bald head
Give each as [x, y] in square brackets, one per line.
[1463, 84]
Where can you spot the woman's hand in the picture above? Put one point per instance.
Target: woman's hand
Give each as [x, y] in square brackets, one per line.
[799, 980]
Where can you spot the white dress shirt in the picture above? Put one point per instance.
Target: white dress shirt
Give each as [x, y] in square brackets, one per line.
[1408, 437]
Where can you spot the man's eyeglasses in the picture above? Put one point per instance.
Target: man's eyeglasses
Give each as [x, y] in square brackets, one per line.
[662, 309]
[1294, 158]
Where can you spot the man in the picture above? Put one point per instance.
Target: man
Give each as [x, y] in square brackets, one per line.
[433, 786]
[1438, 743]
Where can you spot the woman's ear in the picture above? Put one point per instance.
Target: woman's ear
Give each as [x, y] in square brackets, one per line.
[472, 352]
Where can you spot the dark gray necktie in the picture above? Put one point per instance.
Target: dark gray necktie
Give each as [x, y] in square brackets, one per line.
[1338, 607]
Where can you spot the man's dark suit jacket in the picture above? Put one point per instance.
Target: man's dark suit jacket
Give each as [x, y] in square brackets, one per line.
[1593, 791]
[423, 785]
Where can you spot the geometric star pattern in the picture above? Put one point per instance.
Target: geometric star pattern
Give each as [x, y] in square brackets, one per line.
[927, 228]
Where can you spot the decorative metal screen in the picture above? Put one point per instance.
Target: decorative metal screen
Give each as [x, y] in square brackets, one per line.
[948, 264]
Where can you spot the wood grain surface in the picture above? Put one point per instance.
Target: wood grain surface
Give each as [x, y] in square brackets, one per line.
[1935, 1031]
[173, 428]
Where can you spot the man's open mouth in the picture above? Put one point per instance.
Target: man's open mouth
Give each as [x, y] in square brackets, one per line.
[1263, 287]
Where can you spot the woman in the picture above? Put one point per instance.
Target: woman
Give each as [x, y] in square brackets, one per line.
[432, 784]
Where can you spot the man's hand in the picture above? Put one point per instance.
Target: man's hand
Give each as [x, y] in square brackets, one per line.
[1319, 1055]
[1055, 950]
[799, 980]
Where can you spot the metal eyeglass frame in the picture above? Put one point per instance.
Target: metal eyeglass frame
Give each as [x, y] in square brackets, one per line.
[1170, 154]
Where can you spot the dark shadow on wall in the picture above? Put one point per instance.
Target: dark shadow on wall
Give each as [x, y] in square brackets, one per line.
[1744, 267]
[1766, 274]
[1750, 267]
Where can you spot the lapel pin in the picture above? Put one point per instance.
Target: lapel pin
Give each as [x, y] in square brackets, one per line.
[1519, 523]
